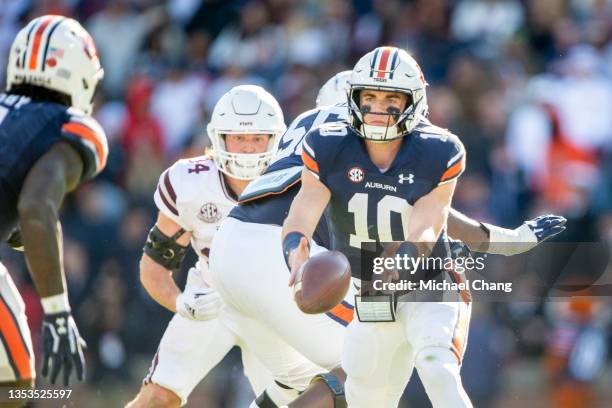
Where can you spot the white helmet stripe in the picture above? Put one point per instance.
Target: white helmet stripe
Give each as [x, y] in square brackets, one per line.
[48, 40]
[393, 63]
[374, 60]
[25, 52]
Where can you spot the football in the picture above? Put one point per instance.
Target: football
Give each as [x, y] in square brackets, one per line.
[322, 282]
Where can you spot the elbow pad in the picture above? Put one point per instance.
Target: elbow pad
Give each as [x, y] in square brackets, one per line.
[164, 250]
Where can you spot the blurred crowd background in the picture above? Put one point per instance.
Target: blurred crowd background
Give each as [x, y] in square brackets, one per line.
[527, 85]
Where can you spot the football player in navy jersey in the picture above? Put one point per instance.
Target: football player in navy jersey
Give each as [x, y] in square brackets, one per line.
[252, 231]
[388, 175]
[48, 146]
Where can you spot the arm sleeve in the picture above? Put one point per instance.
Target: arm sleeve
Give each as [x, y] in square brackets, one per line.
[88, 137]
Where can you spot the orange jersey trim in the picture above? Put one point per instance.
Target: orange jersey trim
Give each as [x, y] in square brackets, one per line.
[453, 170]
[88, 134]
[309, 162]
[460, 333]
[465, 294]
[14, 342]
[342, 312]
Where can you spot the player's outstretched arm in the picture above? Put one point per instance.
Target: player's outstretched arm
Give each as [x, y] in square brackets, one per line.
[303, 217]
[56, 173]
[428, 217]
[483, 237]
[468, 230]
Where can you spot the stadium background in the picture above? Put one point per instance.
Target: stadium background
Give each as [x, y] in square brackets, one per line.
[527, 85]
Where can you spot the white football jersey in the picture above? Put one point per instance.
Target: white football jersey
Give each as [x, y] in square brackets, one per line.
[193, 194]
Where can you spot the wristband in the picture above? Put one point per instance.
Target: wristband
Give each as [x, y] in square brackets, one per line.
[55, 304]
[292, 241]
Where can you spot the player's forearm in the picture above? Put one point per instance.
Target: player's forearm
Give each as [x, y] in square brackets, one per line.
[426, 228]
[41, 235]
[159, 283]
[301, 218]
[429, 215]
[468, 230]
[294, 222]
[307, 207]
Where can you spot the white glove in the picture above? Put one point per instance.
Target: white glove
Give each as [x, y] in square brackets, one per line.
[199, 303]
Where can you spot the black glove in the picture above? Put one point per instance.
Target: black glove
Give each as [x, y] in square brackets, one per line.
[62, 347]
[14, 240]
[546, 226]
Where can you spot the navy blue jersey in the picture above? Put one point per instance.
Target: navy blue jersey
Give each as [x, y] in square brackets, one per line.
[371, 206]
[267, 199]
[27, 131]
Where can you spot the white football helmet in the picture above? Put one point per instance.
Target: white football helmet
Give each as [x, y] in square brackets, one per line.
[335, 89]
[57, 53]
[394, 70]
[245, 109]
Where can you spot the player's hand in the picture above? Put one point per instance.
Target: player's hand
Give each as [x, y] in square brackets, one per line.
[545, 226]
[510, 242]
[62, 347]
[297, 258]
[200, 303]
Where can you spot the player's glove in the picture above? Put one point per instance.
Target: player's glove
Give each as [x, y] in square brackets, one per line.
[511, 242]
[14, 240]
[199, 303]
[62, 347]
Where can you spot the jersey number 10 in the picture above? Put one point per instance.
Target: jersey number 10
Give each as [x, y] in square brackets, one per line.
[358, 205]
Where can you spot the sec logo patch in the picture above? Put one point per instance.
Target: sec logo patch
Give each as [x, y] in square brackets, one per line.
[209, 213]
[355, 174]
